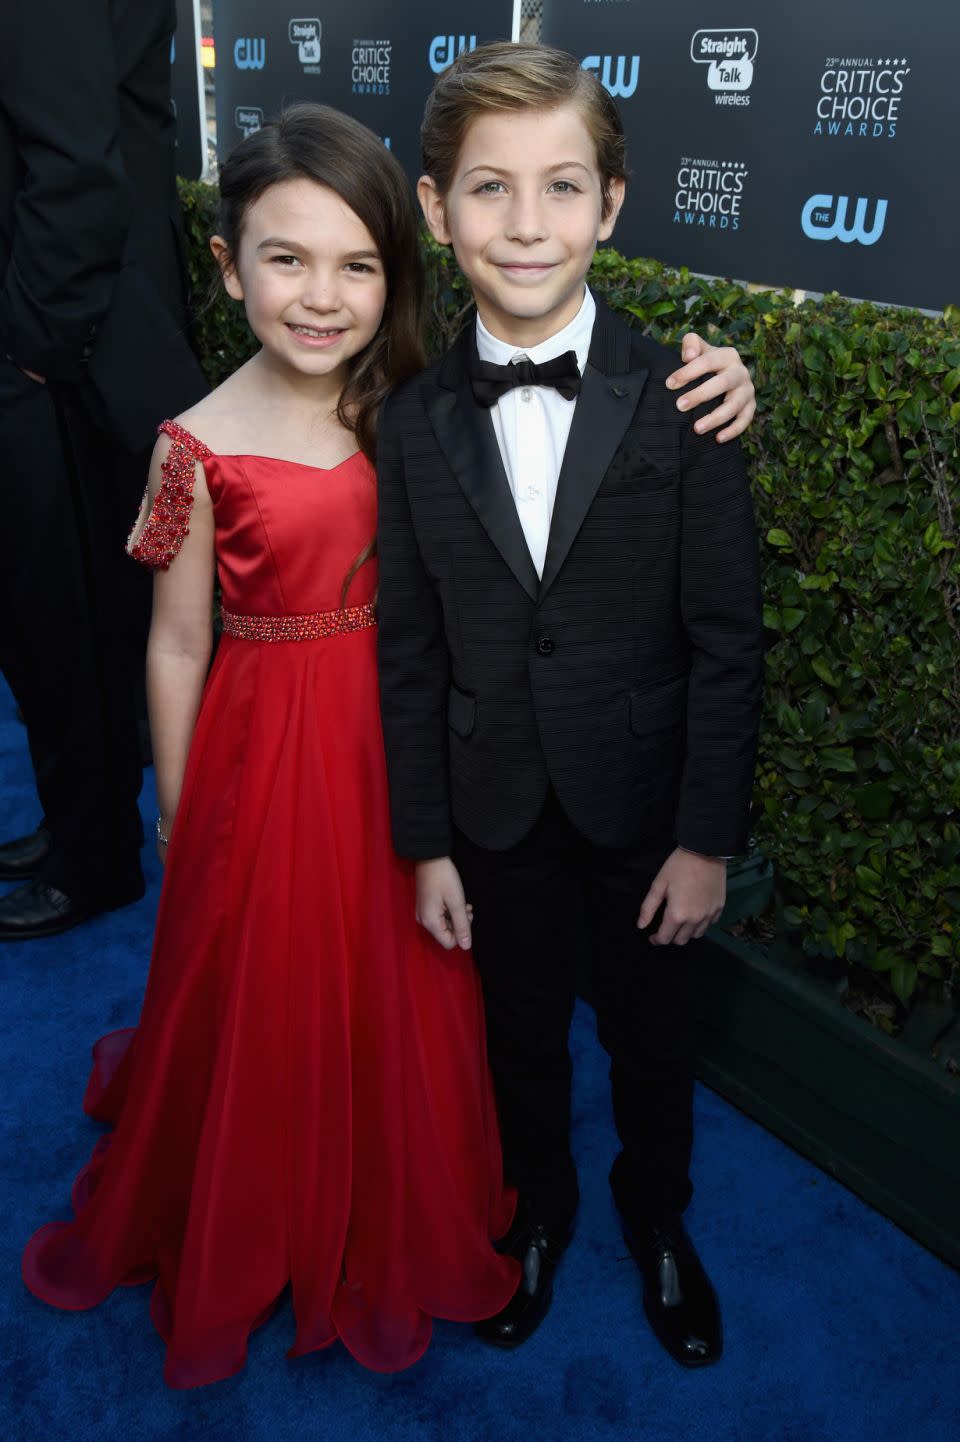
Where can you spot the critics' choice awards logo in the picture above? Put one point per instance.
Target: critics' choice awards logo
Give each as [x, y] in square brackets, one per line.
[618, 74]
[729, 55]
[826, 217]
[248, 119]
[444, 50]
[305, 35]
[370, 67]
[250, 54]
[860, 98]
[709, 193]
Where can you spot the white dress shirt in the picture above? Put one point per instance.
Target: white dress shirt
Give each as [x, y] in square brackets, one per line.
[532, 424]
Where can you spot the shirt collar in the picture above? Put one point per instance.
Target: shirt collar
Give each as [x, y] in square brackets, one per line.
[575, 336]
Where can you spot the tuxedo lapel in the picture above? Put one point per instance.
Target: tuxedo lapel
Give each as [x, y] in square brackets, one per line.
[465, 434]
[609, 393]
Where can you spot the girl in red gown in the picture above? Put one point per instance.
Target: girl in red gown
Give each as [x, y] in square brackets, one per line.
[305, 1100]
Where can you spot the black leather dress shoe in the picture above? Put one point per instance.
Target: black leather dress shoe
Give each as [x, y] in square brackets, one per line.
[678, 1297]
[538, 1255]
[38, 909]
[21, 859]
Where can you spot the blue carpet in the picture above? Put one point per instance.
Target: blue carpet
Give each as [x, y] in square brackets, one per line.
[838, 1327]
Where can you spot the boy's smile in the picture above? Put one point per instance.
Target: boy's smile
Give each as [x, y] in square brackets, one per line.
[524, 214]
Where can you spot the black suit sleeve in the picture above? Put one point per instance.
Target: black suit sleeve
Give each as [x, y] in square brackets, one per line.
[722, 615]
[414, 664]
[58, 85]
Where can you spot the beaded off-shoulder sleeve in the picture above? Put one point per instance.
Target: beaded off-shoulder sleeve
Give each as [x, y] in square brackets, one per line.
[160, 530]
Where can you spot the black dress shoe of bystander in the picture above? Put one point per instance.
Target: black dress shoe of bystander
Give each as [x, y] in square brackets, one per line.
[37, 909]
[21, 859]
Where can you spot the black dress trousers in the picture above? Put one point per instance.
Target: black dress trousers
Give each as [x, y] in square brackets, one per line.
[538, 905]
[74, 610]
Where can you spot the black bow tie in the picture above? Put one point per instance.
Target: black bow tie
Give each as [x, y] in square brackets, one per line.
[490, 381]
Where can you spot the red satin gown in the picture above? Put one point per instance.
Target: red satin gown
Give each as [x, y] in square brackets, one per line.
[305, 1099]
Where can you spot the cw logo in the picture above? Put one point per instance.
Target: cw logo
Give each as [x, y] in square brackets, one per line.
[444, 50]
[620, 87]
[820, 221]
[250, 54]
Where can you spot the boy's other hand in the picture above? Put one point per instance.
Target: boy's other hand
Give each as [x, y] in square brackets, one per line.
[441, 908]
[727, 377]
[694, 888]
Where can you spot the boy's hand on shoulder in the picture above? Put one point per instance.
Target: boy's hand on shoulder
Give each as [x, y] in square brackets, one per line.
[727, 376]
[441, 907]
[693, 888]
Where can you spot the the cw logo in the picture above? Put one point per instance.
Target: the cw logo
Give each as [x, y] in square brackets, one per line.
[250, 54]
[620, 87]
[444, 50]
[821, 222]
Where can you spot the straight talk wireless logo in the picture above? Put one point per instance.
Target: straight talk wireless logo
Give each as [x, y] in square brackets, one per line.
[728, 55]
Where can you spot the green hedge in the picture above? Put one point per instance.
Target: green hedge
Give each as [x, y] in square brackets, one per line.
[857, 487]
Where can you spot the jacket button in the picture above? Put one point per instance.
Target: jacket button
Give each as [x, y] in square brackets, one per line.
[545, 646]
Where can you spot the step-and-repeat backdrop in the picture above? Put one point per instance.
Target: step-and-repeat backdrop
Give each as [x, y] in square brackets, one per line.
[811, 145]
[375, 59]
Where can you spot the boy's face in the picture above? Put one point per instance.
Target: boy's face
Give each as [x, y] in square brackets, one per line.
[524, 215]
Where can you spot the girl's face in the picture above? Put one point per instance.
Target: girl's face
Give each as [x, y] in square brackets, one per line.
[309, 275]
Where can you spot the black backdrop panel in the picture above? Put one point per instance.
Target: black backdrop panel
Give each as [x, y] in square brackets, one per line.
[374, 59]
[811, 146]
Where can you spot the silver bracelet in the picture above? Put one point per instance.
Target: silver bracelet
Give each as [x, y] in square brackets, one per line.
[163, 840]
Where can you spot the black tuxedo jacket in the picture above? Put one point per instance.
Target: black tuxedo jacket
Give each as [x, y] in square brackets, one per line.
[629, 677]
[92, 276]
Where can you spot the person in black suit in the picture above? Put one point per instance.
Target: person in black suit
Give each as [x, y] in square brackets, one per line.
[93, 356]
[570, 646]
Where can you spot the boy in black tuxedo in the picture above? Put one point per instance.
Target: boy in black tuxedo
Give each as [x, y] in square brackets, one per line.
[570, 660]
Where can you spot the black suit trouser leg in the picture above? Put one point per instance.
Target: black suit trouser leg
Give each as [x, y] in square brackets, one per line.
[72, 626]
[527, 938]
[538, 906]
[643, 995]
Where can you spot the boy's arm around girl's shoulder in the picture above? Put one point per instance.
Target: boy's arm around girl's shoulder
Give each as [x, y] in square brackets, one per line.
[414, 664]
[722, 616]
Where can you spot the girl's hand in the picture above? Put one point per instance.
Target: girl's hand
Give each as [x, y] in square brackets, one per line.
[727, 377]
[441, 908]
[694, 888]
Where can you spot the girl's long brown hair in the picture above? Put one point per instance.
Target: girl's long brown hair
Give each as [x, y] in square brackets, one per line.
[319, 143]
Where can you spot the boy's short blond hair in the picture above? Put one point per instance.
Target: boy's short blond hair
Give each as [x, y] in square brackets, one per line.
[503, 77]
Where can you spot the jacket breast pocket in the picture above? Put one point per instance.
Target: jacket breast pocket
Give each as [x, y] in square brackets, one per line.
[461, 712]
[658, 708]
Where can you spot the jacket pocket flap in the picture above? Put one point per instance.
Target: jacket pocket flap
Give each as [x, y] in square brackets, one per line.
[461, 712]
[656, 707]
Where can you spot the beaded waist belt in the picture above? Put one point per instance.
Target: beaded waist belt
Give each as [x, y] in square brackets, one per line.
[299, 628]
